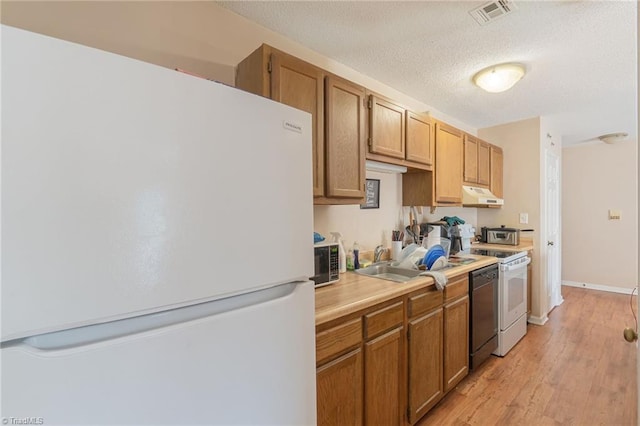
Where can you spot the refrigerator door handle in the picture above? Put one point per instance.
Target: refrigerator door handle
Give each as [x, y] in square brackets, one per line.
[80, 336]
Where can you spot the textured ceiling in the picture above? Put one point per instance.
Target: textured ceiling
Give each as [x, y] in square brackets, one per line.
[580, 55]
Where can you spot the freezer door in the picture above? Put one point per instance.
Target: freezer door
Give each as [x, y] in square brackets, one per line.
[247, 360]
[129, 188]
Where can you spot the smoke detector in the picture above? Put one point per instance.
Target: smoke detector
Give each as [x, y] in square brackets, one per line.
[491, 11]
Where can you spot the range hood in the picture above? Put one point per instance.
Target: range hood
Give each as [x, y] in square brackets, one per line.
[474, 196]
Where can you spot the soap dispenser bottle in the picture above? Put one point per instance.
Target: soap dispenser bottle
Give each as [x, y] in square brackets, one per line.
[356, 255]
[342, 255]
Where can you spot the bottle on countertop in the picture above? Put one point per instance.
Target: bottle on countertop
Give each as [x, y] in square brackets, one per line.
[349, 260]
[342, 256]
[356, 255]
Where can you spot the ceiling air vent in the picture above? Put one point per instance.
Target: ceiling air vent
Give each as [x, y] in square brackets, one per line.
[492, 10]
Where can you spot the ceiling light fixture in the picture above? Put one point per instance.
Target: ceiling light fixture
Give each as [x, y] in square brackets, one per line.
[613, 137]
[498, 78]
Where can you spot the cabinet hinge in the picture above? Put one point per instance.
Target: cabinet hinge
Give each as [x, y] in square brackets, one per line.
[370, 103]
[369, 141]
[269, 67]
[408, 413]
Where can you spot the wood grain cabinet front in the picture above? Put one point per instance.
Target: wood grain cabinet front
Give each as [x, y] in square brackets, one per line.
[339, 390]
[338, 139]
[497, 164]
[442, 186]
[456, 331]
[384, 365]
[476, 162]
[425, 363]
[398, 135]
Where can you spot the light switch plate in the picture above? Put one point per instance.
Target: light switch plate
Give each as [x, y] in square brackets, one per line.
[614, 214]
[524, 218]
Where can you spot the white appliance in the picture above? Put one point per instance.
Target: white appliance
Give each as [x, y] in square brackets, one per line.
[128, 295]
[512, 296]
[476, 196]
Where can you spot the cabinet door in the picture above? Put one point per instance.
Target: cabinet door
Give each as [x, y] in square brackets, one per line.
[339, 391]
[456, 342]
[419, 140]
[448, 170]
[300, 85]
[386, 128]
[496, 171]
[484, 172]
[425, 363]
[470, 159]
[383, 379]
[345, 138]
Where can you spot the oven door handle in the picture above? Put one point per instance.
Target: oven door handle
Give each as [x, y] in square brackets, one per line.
[516, 266]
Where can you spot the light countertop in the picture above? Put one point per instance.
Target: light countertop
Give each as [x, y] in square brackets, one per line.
[355, 292]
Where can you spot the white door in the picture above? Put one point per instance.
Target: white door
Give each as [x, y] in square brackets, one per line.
[554, 296]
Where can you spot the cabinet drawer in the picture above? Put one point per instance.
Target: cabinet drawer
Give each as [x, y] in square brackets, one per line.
[425, 302]
[455, 288]
[383, 320]
[338, 339]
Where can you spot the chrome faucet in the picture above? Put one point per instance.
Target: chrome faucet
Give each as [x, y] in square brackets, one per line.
[377, 253]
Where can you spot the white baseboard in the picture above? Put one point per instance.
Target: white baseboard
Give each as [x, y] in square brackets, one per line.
[537, 320]
[599, 287]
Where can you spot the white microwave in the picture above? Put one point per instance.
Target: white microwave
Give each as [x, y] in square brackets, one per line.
[326, 261]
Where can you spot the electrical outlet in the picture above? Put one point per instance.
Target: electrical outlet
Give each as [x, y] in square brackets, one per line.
[614, 214]
[524, 218]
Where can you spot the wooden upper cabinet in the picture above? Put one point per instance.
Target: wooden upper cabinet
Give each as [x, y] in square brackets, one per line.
[345, 138]
[300, 85]
[448, 169]
[291, 81]
[386, 127]
[442, 186]
[496, 171]
[338, 171]
[398, 135]
[470, 159]
[476, 161]
[484, 164]
[419, 138]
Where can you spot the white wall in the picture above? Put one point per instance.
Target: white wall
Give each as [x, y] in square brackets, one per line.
[520, 142]
[598, 251]
[371, 227]
[209, 40]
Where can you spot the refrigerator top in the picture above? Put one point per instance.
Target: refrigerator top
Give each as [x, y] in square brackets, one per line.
[133, 193]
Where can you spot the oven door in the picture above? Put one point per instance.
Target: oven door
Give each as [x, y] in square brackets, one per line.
[513, 288]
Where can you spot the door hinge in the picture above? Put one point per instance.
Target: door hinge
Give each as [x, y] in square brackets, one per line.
[269, 66]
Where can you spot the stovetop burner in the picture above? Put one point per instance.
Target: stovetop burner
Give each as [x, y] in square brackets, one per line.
[503, 256]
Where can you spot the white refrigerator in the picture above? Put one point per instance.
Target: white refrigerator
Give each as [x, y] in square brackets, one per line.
[156, 245]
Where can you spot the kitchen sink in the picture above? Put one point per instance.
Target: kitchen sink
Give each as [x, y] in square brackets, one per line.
[387, 272]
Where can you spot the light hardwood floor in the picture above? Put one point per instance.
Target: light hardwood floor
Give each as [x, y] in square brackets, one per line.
[575, 370]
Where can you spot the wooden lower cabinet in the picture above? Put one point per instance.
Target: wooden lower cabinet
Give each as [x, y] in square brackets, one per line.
[456, 342]
[383, 379]
[425, 363]
[390, 364]
[339, 390]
